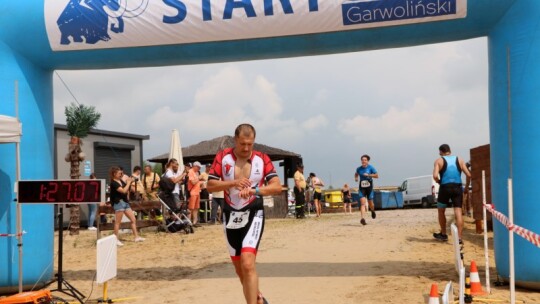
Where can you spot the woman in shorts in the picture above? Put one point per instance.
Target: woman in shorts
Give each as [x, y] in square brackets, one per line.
[118, 196]
[317, 185]
[346, 197]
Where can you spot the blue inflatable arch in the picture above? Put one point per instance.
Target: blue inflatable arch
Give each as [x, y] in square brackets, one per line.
[37, 37]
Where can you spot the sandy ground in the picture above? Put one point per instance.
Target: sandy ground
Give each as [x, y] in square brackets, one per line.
[334, 259]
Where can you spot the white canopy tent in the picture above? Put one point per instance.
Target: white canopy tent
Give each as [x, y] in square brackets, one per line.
[11, 132]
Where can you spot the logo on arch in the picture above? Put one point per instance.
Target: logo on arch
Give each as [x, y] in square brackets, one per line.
[91, 21]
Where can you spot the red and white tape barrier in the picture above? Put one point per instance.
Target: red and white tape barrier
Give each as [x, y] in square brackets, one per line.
[523, 232]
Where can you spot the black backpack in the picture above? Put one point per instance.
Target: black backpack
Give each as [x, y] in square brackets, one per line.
[166, 184]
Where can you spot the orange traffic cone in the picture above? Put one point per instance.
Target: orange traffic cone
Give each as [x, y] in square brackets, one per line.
[476, 285]
[434, 294]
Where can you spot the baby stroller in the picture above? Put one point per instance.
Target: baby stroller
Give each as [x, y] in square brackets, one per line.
[176, 218]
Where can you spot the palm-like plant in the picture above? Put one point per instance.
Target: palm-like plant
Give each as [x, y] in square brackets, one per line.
[79, 120]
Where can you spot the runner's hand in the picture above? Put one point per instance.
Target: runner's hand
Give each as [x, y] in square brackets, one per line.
[242, 184]
[245, 193]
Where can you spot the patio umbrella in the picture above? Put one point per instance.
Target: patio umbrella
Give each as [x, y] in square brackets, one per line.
[176, 149]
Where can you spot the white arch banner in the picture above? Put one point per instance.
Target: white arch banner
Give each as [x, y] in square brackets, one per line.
[98, 24]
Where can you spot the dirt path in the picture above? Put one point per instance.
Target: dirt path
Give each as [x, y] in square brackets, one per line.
[329, 260]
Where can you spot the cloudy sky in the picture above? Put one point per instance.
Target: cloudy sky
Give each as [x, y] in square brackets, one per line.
[396, 105]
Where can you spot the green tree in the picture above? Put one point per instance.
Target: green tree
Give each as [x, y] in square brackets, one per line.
[79, 120]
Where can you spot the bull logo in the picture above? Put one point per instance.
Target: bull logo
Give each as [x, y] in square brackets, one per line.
[89, 21]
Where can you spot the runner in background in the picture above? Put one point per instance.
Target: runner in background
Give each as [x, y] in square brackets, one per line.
[366, 173]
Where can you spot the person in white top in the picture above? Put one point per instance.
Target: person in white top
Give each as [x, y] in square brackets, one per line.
[177, 176]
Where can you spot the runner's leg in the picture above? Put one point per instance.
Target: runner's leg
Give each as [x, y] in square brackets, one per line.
[442, 219]
[371, 205]
[250, 280]
[459, 221]
[363, 203]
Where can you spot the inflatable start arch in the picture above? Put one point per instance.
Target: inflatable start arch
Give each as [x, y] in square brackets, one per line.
[39, 36]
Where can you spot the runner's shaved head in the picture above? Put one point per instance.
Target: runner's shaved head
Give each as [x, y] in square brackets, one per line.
[244, 129]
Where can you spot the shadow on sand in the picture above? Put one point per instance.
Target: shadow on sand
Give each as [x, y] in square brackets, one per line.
[429, 269]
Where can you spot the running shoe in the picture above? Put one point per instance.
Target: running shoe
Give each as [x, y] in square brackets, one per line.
[119, 244]
[373, 214]
[261, 296]
[363, 222]
[139, 239]
[440, 237]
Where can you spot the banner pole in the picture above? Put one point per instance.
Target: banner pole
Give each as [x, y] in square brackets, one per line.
[105, 296]
[486, 245]
[511, 243]
[18, 206]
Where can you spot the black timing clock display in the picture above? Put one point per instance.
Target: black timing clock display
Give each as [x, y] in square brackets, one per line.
[61, 191]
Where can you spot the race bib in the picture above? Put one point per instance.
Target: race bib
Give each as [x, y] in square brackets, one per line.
[238, 219]
[365, 184]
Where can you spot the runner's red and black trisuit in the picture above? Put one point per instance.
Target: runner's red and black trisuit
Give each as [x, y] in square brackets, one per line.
[243, 218]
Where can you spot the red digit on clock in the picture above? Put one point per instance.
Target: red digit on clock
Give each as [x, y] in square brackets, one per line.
[42, 192]
[96, 186]
[52, 192]
[78, 193]
[67, 187]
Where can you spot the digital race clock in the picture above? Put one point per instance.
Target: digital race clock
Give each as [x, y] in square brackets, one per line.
[89, 191]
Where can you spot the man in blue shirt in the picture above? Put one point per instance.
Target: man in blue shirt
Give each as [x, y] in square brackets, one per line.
[366, 173]
[447, 172]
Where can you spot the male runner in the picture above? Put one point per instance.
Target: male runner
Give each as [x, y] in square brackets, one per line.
[245, 176]
[366, 173]
[447, 171]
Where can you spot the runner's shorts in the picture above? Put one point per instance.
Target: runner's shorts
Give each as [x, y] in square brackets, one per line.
[366, 192]
[317, 195]
[450, 195]
[243, 229]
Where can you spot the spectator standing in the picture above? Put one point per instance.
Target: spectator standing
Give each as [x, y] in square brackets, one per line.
[346, 197]
[119, 200]
[467, 195]
[92, 211]
[185, 181]
[205, 195]
[299, 191]
[176, 177]
[150, 181]
[137, 187]
[218, 199]
[194, 189]
[316, 184]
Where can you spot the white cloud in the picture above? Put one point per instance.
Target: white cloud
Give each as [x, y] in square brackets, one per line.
[419, 121]
[314, 123]
[223, 101]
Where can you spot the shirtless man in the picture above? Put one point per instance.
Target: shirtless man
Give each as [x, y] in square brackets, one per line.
[245, 176]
